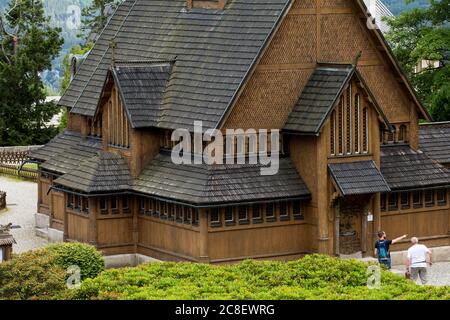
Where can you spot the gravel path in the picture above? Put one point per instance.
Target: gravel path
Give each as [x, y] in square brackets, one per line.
[21, 200]
[438, 274]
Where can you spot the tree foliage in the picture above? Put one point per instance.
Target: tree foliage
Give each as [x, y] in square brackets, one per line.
[96, 16]
[28, 45]
[424, 34]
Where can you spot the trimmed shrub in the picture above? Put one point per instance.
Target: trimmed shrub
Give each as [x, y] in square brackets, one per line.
[31, 275]
[85, 256]
[313, 277]
[42, 274]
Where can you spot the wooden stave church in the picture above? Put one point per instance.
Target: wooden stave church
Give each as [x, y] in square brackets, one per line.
[275, 64]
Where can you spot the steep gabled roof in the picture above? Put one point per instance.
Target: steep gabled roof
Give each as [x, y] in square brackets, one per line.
[406, 169]
[102, 173]
[359, 177]
[141, 86]
[320, 96]
[207, 185]
[214, 52]
[435, 140]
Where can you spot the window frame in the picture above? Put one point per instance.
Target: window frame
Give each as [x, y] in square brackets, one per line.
[442, 202]
[393, 207]
[429, 203]
[420, 203]
[406, 205]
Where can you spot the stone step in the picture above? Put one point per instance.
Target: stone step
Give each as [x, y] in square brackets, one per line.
[42, 233]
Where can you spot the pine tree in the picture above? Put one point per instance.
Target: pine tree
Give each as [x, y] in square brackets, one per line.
[95, 16]
[28, 44]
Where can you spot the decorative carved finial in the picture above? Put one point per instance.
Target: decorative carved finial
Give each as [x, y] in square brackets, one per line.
[356, 60]
[113, 46]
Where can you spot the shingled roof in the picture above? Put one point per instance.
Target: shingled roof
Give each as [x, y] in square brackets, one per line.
[214, 51]
[435, 141]
[102, 173]
[141, 86]
[359, 177]
[208, 185]
[65, 152]
[320, 95]
[404, 168]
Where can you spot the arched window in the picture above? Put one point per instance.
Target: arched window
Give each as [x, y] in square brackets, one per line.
[357, 129]
[341, 126]
[365, 130]
[349, 120]
[402, 133]
[333, 133]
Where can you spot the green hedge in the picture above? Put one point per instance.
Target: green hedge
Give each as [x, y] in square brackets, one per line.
[41, 274]
[86, 257]
[313, 277]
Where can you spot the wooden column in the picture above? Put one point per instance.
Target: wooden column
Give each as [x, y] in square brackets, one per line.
[135, 210]
[92, 232]
[337, 218]
[364, 229]
[39, 199]
[203, 225]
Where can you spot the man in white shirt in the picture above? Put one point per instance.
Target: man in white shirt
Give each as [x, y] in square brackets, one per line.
[416, 263]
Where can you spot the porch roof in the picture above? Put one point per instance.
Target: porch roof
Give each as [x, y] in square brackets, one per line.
[360, 177]
[102, 173]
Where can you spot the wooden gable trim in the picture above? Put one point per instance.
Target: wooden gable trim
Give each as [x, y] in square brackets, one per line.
[254, 65]
[385, 49]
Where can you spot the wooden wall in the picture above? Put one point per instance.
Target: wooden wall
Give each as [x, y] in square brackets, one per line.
[316, 31]
[58, 210]
[168, 240]
[282, 241]
[430, 225]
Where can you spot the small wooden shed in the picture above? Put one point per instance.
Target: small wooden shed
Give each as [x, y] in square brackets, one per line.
[6, 243]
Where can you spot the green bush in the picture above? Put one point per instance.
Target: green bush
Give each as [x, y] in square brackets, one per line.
[31, 275]
[85, 256]
[313, 277]
[42, 274]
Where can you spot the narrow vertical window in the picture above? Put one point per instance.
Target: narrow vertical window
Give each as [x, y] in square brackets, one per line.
[383, 202]
[243, 213]
[429, 198]
[215, 216]
[404, 200]
[229, 215]
[256, 212]
[341, 127]
[393, 201]
[357, 130]
[349, 120]
[333, 133]
[365, 133]
[402, 133]
[297, 210]
[441, 196]
[417, 199]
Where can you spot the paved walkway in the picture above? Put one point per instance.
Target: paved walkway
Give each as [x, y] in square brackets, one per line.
[21, 200]
[438, 274]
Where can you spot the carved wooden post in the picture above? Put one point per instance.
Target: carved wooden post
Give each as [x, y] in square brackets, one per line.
[337, 216]
[135, 208]
[93, 234]
[364, 227]
[203, 225]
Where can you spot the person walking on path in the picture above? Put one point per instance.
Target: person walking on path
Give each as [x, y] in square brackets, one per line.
[382, 248]
[417, 259]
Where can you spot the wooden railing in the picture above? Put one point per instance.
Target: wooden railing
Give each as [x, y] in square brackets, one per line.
[11, 160]
[2, 200]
